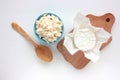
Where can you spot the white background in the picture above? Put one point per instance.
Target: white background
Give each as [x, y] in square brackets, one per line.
[18, 60]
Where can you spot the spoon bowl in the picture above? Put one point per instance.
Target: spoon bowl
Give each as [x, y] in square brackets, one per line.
[44, 53]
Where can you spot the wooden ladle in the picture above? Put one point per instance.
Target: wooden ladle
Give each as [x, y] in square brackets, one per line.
[42, 51]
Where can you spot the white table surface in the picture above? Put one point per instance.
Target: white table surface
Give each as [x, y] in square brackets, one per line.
[18, 60]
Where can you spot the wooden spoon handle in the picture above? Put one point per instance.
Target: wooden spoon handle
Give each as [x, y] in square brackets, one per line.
[23, 33]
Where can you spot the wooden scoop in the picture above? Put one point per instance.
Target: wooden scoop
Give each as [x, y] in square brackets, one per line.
[43, 52]
[78, 60]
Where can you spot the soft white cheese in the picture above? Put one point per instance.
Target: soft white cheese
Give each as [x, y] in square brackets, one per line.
[85, 39]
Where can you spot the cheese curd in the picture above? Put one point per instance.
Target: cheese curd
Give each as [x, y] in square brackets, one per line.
[49, 28]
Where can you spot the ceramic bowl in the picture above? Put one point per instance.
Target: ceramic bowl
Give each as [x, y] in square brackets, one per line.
[40, 38]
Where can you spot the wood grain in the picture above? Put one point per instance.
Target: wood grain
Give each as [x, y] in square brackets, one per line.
[78, 60]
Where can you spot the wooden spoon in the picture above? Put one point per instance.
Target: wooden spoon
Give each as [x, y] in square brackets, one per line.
[42, 51]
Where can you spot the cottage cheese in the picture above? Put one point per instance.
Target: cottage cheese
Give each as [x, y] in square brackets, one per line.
[49, 28]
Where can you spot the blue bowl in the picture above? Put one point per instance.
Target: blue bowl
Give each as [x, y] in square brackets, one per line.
[42, 40]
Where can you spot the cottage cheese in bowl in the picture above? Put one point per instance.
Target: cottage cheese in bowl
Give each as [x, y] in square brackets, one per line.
[48, 28]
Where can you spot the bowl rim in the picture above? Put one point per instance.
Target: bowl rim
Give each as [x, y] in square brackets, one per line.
[42, 40]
